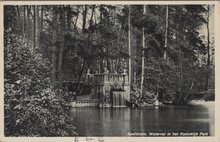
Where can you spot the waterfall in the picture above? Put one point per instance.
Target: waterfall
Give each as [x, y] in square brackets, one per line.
[118, 99]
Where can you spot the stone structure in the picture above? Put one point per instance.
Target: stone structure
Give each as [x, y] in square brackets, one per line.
[105, 91]
[103, 87]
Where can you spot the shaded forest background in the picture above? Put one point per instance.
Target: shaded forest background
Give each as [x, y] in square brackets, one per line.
[46, 45]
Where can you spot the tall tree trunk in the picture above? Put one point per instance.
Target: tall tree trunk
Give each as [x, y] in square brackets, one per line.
[34, 27]
[19, 19]
[101, 40]
[24, 20]
[28, 22]
[129, 44]
[208, 50]
[84, 18]
[143, 58]
[181, 77]
[75, 24]
[54, 57]
[37, 22]
[42, 18]
[60, 62]
[91, 19]
[69, 18]
[81, 75]
[166, 31]
[165, 44]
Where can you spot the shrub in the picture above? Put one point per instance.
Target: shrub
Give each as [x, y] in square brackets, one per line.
[33, 107]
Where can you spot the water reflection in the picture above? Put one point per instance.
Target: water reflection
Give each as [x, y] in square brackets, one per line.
[121, 121]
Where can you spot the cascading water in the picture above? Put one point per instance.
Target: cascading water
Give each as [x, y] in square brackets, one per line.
[118, 99]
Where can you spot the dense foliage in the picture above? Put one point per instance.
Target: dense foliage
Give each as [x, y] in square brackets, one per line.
[183, 71]
[33, 107]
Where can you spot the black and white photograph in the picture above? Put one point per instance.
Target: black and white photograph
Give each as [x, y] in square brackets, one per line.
[109, 70]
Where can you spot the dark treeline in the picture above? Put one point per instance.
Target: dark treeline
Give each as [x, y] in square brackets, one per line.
[45, 45]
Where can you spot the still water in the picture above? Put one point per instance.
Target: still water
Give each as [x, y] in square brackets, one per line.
[196, 117]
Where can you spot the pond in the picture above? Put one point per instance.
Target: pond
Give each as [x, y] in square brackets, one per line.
[193, 119]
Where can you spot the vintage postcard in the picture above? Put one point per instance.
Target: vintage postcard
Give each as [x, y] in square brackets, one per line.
[109, 71]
